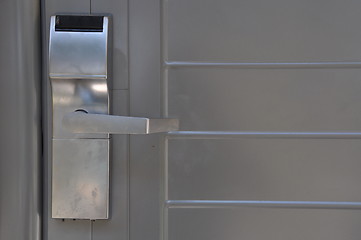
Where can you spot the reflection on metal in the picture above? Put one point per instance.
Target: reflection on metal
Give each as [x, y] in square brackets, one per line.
[80, 122]
[76, 54]
[78, 73]
[73, 94]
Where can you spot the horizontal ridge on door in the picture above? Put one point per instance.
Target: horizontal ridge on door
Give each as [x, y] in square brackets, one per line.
[261, 65]
[274, 135]
[263, 204]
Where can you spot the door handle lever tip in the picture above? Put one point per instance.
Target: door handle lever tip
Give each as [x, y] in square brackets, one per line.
[82, 122]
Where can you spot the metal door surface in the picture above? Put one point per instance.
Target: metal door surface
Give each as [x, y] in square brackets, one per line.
[267, 93]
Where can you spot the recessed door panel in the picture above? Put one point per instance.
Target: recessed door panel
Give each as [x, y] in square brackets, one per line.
[216, 99]
[263, 223]
[263, 30]
[264, 169]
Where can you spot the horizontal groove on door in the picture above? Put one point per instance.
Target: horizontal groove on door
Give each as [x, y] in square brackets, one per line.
[274, 135]
[263, 204]
[261, 65]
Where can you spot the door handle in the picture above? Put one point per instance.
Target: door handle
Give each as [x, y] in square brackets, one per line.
[79, 74]
[83, 122]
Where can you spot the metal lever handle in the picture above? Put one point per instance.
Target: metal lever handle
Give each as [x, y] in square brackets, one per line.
[81, 122]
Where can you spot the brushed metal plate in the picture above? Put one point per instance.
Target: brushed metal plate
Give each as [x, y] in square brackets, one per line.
[78, 54]
[80, 178]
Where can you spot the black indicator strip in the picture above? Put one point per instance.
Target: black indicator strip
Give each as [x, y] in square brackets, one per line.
[72, 23]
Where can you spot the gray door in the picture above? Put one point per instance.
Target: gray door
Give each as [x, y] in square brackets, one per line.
[268, 97]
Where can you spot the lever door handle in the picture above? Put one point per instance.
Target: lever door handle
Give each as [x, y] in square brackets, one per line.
[80, 143]
[81, 122]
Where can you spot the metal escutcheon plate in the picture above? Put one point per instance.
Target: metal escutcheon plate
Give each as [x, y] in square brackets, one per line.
[80, 178]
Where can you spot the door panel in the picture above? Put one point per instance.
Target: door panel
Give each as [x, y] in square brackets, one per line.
[144, 100]
[236, 74]
[265, 99]
[265, 169]
[263, 30]
[262, 223]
